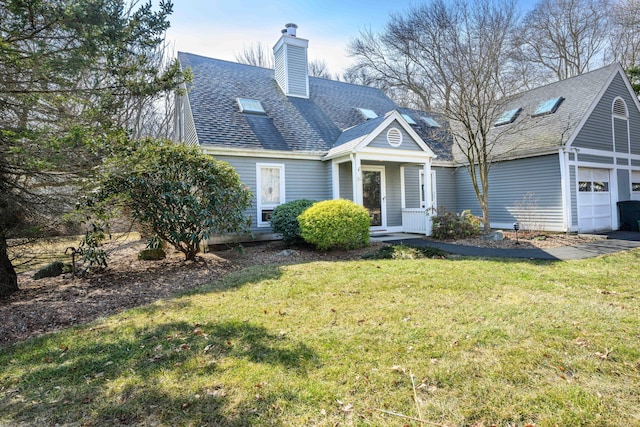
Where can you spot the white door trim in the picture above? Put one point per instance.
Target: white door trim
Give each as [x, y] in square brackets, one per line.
[383, 194]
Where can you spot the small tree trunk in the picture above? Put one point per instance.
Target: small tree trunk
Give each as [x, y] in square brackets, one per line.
[8, 276]
[487, 220]
[484, 205]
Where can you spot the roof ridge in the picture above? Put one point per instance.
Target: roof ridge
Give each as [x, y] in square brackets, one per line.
[564, 81]
[227, 61]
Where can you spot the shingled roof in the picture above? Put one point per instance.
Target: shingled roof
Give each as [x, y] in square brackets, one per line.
[330, 114]
[531, 134]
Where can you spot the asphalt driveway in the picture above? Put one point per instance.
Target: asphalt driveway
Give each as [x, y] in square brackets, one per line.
[614, 241]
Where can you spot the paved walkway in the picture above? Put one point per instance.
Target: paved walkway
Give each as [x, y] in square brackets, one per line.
[612, 242]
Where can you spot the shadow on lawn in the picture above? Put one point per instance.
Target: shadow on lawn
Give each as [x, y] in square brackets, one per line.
[168, 374]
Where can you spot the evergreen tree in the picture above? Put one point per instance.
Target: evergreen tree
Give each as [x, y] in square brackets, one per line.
[68, 68]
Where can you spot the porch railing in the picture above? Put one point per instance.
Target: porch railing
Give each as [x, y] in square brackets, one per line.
[415, 220]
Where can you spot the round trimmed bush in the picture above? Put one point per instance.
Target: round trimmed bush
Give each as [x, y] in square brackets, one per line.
[335, 224]
[284, 220]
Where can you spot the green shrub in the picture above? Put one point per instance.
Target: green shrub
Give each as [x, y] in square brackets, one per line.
[405, 252]
[181, 194]
[284, 220]
[335, 224]
[450, 225]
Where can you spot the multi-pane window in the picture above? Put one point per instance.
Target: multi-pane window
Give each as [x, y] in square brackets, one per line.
[270, 188]
[593, 181]
[635, 181]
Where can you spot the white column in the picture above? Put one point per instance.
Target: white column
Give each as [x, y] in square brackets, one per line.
[335, 179]
[356, 174]
[427, 197]
[403, 197]
[565, 189]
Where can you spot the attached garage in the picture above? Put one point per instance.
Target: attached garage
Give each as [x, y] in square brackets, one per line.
[594, 200]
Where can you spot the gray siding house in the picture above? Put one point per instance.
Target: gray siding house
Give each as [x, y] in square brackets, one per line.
[292, 136]
[565, 153]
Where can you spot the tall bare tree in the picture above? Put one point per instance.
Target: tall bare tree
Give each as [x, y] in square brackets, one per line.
[319, 68]
[455, 56]
[624, 37]
[391, 64]
[565, 38]
[257, 54]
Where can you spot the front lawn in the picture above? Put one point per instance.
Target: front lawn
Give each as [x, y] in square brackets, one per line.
[455, 342]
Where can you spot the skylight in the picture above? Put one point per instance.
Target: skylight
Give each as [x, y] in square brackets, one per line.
[430, 122]
[548, 107]
[368, 114]
[250, 106]
[409, 119]
[507, 117]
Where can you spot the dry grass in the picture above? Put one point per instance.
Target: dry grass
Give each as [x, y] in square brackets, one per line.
[456, 342]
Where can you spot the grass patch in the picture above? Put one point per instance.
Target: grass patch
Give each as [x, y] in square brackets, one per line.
[504, 342]
[405, 252]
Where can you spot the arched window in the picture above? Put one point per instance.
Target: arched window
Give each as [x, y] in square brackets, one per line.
[620, 123]
[619, 108]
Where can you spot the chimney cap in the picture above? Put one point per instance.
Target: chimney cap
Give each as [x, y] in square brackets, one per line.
[290, 29]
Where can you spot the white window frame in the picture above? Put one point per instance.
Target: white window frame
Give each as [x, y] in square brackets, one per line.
[265, 207]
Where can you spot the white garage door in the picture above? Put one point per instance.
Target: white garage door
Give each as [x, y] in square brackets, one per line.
[635, 185]
[594, 200]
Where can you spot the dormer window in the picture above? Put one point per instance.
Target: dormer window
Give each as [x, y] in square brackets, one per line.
[430, 122]
[367, 114]
[250, 106]
[508, 117]
[548, 107]
[409, 119]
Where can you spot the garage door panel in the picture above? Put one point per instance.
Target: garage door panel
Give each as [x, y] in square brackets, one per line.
[602, 211]
[594, 200]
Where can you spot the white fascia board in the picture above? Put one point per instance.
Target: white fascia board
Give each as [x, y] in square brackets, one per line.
[343, 149]
[516, 156]
[594, 104]
[394, 155]
[359, 145]
[279, 154]
[444, 163]
[390, 118]
[605, 153]
[627, 83]
[290, 40]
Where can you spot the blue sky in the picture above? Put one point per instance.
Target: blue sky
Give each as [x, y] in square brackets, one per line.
[220, 29]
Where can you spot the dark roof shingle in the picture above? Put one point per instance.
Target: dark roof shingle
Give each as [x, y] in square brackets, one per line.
[315, 124]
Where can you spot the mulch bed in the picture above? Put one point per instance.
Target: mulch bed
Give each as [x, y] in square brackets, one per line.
[52, 304]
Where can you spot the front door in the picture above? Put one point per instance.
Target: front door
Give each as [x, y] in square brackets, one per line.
[373, 195]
